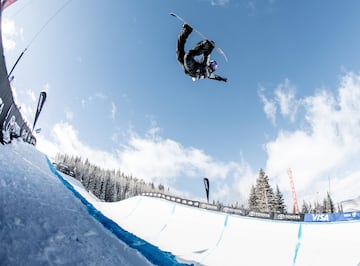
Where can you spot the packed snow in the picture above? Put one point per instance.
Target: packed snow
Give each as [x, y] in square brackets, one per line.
[213, 238]
[42, 222]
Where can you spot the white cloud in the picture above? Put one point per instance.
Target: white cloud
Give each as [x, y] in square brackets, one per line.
[65, 139]
[236, 186]
[327, 149]
[284, 101]
[270, 108]
[144, 157]
[162, 159]
[285, 97]
[219, 2]
[9, 32]
[151, 158]
[31, 95]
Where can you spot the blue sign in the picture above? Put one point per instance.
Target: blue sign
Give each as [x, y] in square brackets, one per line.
[331, 217]
[318, 217]
[347, 216]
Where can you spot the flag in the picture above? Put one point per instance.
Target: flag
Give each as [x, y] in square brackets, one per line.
[40, 105]
[207, 188]
[6, 3]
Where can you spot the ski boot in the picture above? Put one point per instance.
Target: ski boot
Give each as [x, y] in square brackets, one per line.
[205, 47]
[208, 45]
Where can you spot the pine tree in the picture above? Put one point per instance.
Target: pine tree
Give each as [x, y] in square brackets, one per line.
[279, 201]
[305, 208]
[339, 207]
[265, 195]
[110, 189]
[318, 208]
[252, 199]
[107, 185]
[100, 192]
[328, 206]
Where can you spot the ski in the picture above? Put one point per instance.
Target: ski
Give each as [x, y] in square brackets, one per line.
[200, 34]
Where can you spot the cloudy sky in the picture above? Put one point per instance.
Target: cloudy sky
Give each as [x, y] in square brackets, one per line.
[117, 95]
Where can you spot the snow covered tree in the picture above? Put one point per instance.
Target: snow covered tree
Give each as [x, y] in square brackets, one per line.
[110, 189]
[107, 185]
[306, 207]
[328, 205]
[279, 201]
[339, 207]
[100, 189]
[318, 208]
[265, 200]
[252, 199]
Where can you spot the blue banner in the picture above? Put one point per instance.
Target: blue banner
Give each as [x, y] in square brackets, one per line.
[347, 216]
[331, 217]
[318, 217]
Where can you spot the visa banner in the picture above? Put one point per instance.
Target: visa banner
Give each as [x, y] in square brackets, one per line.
[331, 217]
[318, 217]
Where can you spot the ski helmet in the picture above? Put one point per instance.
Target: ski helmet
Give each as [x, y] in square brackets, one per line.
[213, 65]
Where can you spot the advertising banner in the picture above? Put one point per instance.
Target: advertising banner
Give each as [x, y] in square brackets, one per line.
[347, 216]
[318, 217]
[233, 211]
[332, 217]
[289, 217]
[264, 215]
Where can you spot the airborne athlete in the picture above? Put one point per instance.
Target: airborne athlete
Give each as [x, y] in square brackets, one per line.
[203, 68]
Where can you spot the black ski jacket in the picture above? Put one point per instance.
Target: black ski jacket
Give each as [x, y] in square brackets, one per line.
[192, 67]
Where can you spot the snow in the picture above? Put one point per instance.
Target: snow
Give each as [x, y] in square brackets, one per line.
[212, 238]
[43, 222]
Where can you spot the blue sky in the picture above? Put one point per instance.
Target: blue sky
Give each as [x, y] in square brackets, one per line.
[117, 95]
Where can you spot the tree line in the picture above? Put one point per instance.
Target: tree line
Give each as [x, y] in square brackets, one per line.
[114, 185]
[106, 185]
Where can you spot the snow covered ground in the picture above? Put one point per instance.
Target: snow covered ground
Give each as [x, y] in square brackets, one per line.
[42, 222]
[212, 238]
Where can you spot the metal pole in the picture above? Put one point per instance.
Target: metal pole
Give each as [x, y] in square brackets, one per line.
[17, 61]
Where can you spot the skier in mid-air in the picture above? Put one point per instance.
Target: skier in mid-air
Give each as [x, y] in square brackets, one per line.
[203, 68]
